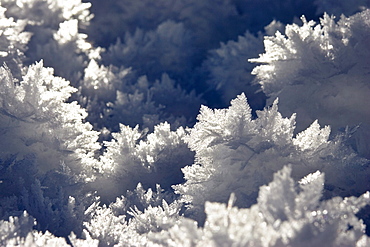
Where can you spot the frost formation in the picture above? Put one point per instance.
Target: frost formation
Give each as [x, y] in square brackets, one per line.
[116, 128]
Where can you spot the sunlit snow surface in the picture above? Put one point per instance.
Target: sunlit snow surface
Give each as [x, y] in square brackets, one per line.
[184, 123]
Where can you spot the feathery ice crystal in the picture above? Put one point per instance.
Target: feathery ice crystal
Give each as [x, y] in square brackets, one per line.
[100, 144]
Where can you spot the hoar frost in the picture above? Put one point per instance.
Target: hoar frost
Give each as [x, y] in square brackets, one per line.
[100, 145]
[320, 71]
[237, 154]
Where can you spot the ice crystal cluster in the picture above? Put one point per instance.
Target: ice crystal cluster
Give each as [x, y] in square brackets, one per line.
[184, 123]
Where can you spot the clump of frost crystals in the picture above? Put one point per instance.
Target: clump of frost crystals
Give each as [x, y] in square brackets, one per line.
[18, 231]
[229, 74]
[166, 43]
[237, 154]
[320, 71]
[54, 25]
[36, 121]
[134, 156]
[288, 215]
[13, 40]
[114, 96]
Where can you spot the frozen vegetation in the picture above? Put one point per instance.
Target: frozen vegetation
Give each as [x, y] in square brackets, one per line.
[184, 123]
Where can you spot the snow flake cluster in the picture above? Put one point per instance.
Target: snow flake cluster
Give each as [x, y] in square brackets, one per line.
[116, 128]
